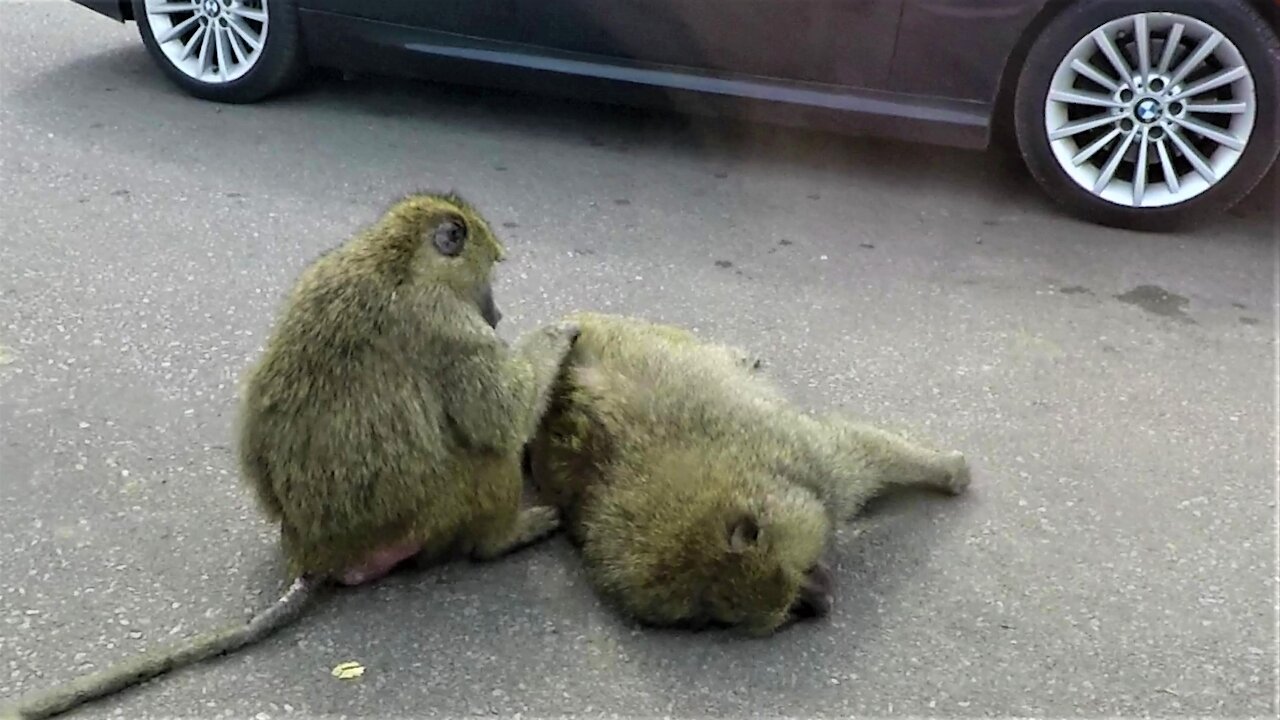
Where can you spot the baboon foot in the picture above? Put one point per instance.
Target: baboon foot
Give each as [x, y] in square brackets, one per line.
[532, 524]
[378, 563]
[536, 523]
[958, 476]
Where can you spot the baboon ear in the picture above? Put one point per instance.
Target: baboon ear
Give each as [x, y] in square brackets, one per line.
[449, 237]
[744, 533]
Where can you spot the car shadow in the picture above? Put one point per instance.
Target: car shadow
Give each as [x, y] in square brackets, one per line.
[120, 80]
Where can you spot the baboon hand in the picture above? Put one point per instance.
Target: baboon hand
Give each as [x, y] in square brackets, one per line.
[568, 330]
[958, 476]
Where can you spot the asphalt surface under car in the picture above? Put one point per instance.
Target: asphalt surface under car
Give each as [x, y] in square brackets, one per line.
[1114, 391]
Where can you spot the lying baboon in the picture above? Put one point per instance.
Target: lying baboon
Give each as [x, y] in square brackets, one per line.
[697, 494]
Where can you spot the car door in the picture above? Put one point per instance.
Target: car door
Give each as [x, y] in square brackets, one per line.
[843, 42]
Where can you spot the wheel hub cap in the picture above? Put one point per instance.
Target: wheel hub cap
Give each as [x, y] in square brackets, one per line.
[212, 8]
[1147, 111]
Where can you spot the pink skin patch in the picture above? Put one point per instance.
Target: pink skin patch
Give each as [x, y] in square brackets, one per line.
[378, 563]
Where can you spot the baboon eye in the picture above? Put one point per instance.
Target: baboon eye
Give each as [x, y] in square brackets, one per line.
[449, 237]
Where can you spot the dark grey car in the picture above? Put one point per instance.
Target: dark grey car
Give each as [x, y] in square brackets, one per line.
[1134, 113]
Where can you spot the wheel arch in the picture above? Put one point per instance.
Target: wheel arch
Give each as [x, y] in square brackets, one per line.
[1002, 112]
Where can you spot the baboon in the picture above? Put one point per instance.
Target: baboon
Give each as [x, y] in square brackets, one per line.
[698, 495]
[385, 420]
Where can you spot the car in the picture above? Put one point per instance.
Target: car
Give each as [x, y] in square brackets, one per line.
[1141, 114]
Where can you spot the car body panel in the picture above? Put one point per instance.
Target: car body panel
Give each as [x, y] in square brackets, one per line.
[831, 64]
[369, 45]
[113, 9]
[872, 66]
[844, 42]
[959, 48]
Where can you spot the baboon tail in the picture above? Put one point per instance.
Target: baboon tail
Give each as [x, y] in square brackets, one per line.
[157, 662]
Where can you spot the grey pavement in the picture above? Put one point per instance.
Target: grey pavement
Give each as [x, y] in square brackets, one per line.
[1115, 392]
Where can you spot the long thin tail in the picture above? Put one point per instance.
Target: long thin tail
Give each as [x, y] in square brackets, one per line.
[157, 662]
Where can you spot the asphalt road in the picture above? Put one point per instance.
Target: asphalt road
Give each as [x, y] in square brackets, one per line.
[1114, 391]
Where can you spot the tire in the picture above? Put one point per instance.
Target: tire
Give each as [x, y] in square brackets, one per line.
[270, 68]
[1242, 114]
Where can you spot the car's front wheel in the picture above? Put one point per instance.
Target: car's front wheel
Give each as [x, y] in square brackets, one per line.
[235, 51]
[1147, 114]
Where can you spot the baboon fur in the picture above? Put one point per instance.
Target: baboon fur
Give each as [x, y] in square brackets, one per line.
[697, 494]
[386, 408]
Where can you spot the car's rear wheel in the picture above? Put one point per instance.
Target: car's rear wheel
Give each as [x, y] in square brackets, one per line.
[1148, 114]
[234, 51]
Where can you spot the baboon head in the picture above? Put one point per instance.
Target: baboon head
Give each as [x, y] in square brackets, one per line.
[709, 548]
[769, 569]
[441, 240]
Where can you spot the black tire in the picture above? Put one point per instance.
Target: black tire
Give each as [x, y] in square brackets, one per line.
[1235, 19]
[281, 65]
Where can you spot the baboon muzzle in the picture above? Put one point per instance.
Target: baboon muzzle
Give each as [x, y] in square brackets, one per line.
[815, 594]
[488, 308]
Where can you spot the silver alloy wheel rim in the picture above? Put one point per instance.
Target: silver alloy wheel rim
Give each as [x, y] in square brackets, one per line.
[1151, 110]
[213, 41]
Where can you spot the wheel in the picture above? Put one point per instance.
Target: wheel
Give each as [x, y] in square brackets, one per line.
[1150, 114]
[233, 51]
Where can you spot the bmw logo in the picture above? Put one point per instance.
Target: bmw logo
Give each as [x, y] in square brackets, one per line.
[1147, 111]
[212, 8]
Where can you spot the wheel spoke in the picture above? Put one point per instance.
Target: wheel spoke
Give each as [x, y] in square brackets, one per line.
[1079, 97]
[234, 41]
[1109, 170]
[1093, 74]
[204, 51]
[1143, 40]
[1166, 166]
[249, 13]
[194, 43]
[1109, 49]
[238, 27]
[173, 7]
[177, 30]
[1094, 147]
[1208, 131]
[1193, 156]
[1140, 171]
[1196, 58]
[1079, 126]
[220, 38]
[1170, 47]
[1214, 81]
[1224, 108]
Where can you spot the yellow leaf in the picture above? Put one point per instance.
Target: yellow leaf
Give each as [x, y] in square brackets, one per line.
[348, 670]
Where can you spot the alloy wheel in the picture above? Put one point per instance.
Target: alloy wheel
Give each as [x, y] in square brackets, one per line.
[212, 41]
[1151, 109]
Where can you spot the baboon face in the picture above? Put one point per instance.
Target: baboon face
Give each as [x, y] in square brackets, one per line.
[449, 238]
[769, 574]
[451, 244]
